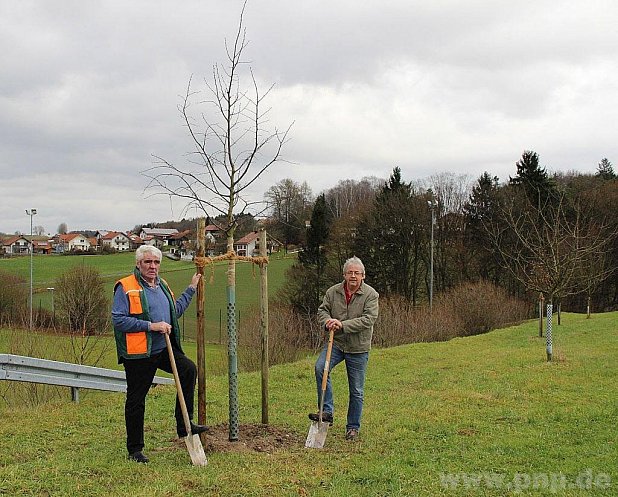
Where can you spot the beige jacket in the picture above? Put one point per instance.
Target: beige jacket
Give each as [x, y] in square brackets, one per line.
[357, 318]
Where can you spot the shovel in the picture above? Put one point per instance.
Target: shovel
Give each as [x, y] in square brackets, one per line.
[193, 442]
[318, 429]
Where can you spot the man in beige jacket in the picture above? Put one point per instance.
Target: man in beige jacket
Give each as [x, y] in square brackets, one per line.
[351, 309]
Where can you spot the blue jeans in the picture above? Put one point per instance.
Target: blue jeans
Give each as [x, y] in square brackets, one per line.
[356, 366]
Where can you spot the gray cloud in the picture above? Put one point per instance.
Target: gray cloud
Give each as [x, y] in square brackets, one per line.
[89, 91]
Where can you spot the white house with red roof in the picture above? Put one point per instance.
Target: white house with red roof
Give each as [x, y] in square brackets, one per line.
[116, 240]
[15, 245]
[72, 242]
[248, 244]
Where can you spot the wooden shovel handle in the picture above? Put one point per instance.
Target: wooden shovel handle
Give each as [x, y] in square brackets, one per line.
[181, 397]
[329, 351]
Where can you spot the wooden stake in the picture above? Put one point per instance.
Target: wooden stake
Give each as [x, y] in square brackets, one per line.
[201, 346]
[264, 325]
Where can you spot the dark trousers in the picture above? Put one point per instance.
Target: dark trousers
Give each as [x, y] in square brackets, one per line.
[140, 373]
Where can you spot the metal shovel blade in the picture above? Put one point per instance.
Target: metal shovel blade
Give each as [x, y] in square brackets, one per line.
[316, 437]
[196, 450]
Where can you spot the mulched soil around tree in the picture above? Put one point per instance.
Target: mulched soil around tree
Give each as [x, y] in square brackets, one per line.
[251, 438]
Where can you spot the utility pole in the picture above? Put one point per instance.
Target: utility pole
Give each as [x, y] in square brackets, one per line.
[31, 213]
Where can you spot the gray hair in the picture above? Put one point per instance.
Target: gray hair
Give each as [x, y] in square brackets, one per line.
[142, 250]
[353, 260]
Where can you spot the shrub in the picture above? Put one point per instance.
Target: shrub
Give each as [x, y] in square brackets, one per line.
[482, 307]
[400, 322]
[289, 336]
[83, 310]
[80, 300]
[13, 299]
[469, 309]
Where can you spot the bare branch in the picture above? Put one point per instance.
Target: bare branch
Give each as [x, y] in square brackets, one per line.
[553, 250]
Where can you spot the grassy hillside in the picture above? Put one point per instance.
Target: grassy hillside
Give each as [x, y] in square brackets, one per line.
[483, 415]
[177, 273]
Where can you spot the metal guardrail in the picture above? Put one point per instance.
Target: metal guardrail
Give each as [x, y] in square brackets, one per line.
[75, 376]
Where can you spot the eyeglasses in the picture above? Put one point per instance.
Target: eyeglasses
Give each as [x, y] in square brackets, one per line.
[354, 273]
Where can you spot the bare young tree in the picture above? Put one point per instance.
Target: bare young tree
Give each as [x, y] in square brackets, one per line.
[556, 250]
[553, 250]
[232, 148]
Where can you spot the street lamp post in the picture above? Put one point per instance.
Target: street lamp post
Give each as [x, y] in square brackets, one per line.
[433, 221]
[31, 213]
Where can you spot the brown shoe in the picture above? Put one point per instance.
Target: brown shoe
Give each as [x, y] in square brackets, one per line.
[351, 434]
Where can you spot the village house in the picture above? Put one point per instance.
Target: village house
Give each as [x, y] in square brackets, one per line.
[42, 246]
[72, 242]
[177, 242]
[15, 245]
[162, 234]
[213, 233]
[115, 240]
[135, 240]
[247, 245]
[20, 245]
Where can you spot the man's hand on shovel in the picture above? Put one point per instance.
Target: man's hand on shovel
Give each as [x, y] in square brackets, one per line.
[333, 323]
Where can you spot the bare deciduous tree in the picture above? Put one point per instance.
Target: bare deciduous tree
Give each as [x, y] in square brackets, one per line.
[290, 204]
[556, 250]
[232, 148]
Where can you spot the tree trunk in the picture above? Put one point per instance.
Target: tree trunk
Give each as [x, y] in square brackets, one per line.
[232, 343]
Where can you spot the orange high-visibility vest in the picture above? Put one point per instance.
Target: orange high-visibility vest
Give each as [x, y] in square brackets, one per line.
[136, 345]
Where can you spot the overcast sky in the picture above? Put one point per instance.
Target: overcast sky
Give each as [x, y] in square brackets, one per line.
[89, 92]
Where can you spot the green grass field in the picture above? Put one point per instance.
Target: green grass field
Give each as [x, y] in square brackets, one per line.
[483, 415]
[177, 273]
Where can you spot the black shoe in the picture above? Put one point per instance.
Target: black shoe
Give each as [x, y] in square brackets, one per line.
[327, 417]
[138, 457]
[195, 430]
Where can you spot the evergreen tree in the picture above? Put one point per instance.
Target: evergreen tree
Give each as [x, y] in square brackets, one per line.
[605, 170]
[480, 211]
[482, 199]
[307, 282]
[389, 237]
[534, 179]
